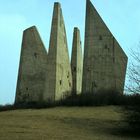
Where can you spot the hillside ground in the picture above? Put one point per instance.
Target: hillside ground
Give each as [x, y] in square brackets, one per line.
[64, 123]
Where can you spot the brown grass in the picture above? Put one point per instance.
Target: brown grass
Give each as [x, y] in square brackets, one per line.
[63, 123]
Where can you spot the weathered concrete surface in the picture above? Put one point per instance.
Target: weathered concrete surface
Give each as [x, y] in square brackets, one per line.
[32, 68]
[76, 62]
[105, 63]
[59, 77]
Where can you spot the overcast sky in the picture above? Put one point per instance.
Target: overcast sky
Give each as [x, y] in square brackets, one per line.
[121, 16]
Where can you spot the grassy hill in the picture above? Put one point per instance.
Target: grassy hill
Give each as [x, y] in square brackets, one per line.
[63, 123]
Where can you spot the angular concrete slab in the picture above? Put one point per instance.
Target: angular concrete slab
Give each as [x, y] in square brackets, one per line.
[32, 68]
[59, 77]
[76, 62]
[105, 62]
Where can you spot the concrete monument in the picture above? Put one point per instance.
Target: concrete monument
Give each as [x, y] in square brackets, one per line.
[32, 69]
[58, 77]
[76, 62]
[105, 62]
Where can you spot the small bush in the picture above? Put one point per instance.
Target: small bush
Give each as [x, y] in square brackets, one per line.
[6, 107]
[27, 105]
[93, 99]
[132, 118]
[101, 98]
[34, 105]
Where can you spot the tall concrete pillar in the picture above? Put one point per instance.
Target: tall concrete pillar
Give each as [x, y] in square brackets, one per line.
[76, 62]
[59, 77]
[32, 68]
[105, 62]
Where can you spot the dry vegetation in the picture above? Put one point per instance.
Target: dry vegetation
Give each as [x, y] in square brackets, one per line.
[63, 123]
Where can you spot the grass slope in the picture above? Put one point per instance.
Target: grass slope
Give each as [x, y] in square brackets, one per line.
[63, 123]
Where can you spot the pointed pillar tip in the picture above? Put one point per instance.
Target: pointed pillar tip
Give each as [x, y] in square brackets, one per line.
[57, 4]
[88, 1]
[31, 28]
[76, 29]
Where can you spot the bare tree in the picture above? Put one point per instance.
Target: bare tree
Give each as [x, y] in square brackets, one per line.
[134, 72]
